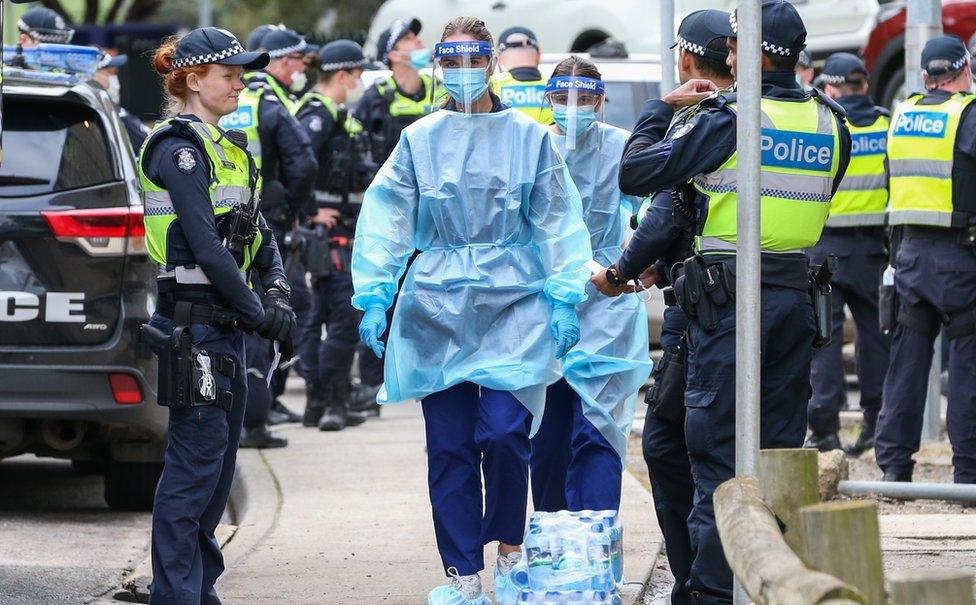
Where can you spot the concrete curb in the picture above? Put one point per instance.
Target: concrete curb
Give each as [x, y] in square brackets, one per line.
[642, 538]
[256, 500]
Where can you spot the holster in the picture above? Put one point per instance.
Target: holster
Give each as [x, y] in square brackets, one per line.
[666, 397]
[317, 253]
[887, 305]
[702, 289]
[822, 295]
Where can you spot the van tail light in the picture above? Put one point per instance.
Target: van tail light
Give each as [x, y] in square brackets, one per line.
[125, 389]
[100, 231]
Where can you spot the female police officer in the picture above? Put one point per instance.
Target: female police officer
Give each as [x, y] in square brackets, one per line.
[482, 191]
[204, 231]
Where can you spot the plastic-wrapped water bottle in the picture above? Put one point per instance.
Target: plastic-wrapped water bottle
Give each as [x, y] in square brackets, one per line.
[538, 553]
[612, 520]
[598, 551]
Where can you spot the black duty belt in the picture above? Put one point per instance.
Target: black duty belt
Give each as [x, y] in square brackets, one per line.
[954, 235]
[186, 313]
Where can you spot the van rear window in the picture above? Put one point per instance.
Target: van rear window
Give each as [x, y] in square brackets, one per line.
[52, 146]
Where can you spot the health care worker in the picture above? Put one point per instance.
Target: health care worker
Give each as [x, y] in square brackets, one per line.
[578, 453]
[483, 193]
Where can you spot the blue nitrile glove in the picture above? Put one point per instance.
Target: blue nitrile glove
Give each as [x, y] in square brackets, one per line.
[371, 328]
[565, 328]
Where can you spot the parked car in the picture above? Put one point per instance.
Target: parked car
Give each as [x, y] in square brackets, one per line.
[577, 25]
[884, 53]
[75, 286]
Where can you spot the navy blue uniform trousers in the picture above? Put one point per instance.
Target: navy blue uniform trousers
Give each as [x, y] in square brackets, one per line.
[331, 357]
[787, 330]
[473, 430]
[861, 257]
[573, 466]
[668, 467]
[198, 469]
[932, 277]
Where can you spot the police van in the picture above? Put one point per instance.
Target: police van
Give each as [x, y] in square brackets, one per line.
[75, 281]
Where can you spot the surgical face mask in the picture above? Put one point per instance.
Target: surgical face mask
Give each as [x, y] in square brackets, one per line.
[356, 93]
[584, 116]
[298, 81]
[465, 83]
[420, 58]
[114, 88]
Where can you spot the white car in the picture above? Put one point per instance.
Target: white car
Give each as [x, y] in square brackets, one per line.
[576, 25]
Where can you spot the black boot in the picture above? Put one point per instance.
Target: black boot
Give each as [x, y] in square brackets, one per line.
[334, 418]
[342, 396]
[314, 406]
[823, 442]
[364, 397]
[261, 438]
[865, 440]
[279, 414]
[903, 476]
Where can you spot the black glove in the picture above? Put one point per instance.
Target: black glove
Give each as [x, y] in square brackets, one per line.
[279, 320]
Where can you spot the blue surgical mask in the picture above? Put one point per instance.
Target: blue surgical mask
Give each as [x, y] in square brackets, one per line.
[420, 58]
[584, 116]
[465, 84]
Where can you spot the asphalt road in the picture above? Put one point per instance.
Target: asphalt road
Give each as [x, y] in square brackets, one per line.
[59, 541]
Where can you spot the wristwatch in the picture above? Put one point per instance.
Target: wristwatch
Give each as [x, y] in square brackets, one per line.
[282, 286]
[613, 276]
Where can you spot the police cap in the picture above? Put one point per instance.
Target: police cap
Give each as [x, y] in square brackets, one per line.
[342, 54]
[783, 32]
[257, 35]
[843, 68]
[943, 55]
[701, 28]
[281, 41]
[44, 25]
[804, 60]
[520, 37]
[214, 45]
[393, 34]
[106, 61]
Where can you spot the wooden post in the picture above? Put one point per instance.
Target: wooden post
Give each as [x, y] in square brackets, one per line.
[932, 587]
[770, 572]
[788, 479]
[843, 539]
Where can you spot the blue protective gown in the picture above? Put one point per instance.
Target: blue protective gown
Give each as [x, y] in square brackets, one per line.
[488, 201]
[611, 361]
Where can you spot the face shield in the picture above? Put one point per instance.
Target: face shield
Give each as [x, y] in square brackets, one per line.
[577, 102]
[463, 68]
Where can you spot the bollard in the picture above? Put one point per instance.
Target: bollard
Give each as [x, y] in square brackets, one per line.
[843, 539]
[788, 480]
[932, 587]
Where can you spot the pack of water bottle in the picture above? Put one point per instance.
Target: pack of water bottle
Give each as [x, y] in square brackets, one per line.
[572, 558]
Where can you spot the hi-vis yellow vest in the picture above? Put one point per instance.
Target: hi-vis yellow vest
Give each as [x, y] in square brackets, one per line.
[230, 186]
[246, 117]
[921, 143]
[529, 97]
[800, 146]
[862, 198]
[352, 126]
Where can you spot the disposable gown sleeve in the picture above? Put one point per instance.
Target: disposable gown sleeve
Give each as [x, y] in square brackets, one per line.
[385, 231]
[555, 212]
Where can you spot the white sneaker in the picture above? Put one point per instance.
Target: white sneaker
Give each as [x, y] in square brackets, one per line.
[505, 563]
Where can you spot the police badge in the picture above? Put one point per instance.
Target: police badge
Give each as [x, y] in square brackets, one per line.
[185, 160]
[315, 124]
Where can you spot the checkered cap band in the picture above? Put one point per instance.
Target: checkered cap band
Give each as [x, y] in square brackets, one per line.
[234, 49]
[734, 22]
[834, 80]
[344, 65]
[395, 33]
[691, 47]
[294, 48]
[767, 47]
[53, 36]
[960, 62]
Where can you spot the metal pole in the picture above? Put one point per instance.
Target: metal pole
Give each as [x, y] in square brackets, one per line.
[747, 301]
[953, 492]
[205, 16]
[667, 53]
[922, 23]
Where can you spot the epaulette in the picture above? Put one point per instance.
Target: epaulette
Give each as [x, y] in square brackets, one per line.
[882, 111]
[831, 104]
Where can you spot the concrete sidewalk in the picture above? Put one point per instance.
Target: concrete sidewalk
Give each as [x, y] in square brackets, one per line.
[345, 517]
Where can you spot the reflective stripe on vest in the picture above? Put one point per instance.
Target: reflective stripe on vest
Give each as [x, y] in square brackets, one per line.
[921, 142]
[230, 178]
[246, 118]
[352, 126]
[272, 85]
[529, 96]
[862, 197]
[800, 147]
[401, 106]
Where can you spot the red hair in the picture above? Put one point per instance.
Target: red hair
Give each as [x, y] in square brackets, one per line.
[174, 80]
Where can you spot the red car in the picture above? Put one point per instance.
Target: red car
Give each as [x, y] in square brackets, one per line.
[884, 54]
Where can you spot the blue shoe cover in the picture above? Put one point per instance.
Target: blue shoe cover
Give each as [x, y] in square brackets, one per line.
[508, 587]
[448, 595]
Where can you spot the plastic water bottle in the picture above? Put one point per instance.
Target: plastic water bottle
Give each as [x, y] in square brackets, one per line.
[527, 597]
[598, 551]
[616, 531]
[538, 553]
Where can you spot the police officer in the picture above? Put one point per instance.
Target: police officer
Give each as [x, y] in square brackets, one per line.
[344, 172]
[205, 231]
[283, 154]
[257, 35]
[932, 159]
[521, 85]
[392, 104]
[285, 75]
[663, 238]
[42, 25]
[108, 76]
[855, 235]
[798, 182]
[804, 70]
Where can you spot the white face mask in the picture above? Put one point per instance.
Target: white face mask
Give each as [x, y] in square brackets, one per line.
[298, 81]
[354, 95]
[114, 88]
